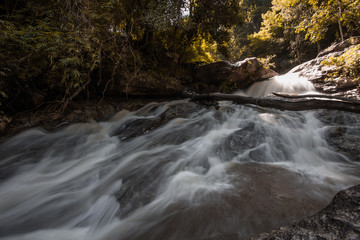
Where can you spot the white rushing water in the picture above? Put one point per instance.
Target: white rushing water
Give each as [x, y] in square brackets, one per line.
[287, 83]
[209, 174]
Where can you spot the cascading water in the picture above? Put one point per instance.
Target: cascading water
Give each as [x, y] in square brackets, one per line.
[171, 171]
[288, 83]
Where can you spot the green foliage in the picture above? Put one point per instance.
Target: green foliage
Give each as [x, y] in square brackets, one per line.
[215, 18]
[251, 12]
[344, 13]
[297, 27]
[45, 55]
[65, 47]
[347, 65]
[268, 62]
[202, 51]
[277, 34]
[57, 47]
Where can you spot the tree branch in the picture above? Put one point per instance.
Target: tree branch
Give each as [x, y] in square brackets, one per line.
[294, 96]
[281, 104]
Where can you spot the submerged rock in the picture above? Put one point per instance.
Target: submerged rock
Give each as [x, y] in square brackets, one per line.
[134, 128]
[339, 220]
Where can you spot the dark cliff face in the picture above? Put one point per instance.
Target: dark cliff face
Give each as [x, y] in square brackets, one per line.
[339, 220]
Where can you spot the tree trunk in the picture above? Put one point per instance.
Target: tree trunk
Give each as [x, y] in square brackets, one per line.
[344, 104]
[318, 46]
[191, 8]
[339, 23]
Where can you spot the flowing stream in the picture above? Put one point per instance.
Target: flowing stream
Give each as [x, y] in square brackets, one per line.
[173, 170]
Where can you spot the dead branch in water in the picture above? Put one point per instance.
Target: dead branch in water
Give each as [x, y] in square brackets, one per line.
[294, 96]
[337, 103]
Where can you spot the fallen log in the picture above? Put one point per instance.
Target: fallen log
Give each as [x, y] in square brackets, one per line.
[280, 103]
[294, 96]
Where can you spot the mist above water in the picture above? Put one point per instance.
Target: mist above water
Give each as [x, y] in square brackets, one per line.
[204, 174]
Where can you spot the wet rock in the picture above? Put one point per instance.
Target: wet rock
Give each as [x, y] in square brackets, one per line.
[244, 139]
[225, 76]
[252, 142]
[50, 118]
[134, 128]
[136, 190]
[342, 133]
[339, 220]
[344, 140]
[313, 70]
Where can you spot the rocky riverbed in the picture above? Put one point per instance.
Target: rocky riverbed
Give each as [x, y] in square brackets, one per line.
[339, 220]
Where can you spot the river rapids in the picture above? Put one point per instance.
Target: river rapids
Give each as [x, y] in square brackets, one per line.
[173, 170]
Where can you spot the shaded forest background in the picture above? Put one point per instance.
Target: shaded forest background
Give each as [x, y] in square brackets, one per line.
[56, 51]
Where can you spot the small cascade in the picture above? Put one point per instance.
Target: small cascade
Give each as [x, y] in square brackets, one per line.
[173, 170]
[287, 83]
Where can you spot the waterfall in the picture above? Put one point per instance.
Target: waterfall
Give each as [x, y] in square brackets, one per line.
[291, 82]
[172, 170]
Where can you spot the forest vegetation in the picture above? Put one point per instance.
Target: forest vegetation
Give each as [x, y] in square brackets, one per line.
[56, 51]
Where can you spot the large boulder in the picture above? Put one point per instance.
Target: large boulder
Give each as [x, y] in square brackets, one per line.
[322, 76]
[149, 85]
[146, 83]
[224, 76]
